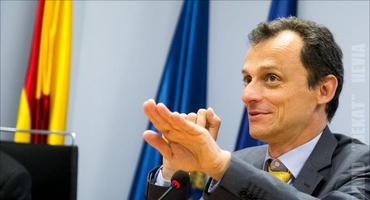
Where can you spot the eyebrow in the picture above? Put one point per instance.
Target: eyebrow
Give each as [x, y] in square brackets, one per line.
[264, 68]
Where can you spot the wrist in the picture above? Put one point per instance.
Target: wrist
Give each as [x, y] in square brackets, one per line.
[167, 173]
[221, 168]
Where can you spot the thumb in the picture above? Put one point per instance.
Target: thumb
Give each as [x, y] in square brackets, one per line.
[213, 122]
[158, 143]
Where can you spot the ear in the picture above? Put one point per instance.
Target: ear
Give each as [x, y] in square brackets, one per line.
[327, 88]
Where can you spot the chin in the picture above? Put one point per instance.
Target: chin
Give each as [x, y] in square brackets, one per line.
[258, 133]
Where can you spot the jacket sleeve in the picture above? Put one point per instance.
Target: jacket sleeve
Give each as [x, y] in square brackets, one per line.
[244, 181]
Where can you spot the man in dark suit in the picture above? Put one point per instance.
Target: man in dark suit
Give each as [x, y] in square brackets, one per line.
[293, 76]
[15, 181]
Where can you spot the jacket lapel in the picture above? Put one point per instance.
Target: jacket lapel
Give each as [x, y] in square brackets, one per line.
[258, 160]
[321, 156]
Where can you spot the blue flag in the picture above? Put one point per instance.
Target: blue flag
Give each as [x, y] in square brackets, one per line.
[279, 8]
[282, 8]
[183, 87]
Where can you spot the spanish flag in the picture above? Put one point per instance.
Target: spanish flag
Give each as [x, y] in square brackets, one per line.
[44, 98]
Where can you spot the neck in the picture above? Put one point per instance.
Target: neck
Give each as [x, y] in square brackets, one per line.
[302, 136]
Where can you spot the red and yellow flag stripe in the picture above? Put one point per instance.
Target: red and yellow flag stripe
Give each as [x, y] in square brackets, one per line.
[45, 105]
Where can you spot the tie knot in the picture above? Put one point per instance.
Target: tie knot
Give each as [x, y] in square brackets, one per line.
[277, 165]
[279, 170]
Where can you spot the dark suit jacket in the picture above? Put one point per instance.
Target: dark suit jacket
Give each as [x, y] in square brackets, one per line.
[338, 168]
[15, 181]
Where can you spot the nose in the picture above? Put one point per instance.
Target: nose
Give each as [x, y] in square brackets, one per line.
[251, 93]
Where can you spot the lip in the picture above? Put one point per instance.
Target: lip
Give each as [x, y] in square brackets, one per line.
[254, 115]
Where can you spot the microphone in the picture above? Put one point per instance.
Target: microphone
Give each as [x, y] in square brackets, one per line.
[179, 180]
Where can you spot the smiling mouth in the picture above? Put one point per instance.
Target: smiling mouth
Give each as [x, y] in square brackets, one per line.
[254, 115]
[257, 113]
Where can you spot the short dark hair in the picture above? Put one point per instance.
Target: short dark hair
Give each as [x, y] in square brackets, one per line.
[320, 53]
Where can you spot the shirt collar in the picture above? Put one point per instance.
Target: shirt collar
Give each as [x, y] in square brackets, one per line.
[295, 158]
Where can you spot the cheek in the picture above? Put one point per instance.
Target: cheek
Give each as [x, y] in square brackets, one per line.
[281, 108]
[299, 105]
[289, 104]
[277, 101]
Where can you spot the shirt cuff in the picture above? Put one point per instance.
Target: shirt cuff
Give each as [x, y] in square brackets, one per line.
[160, 180]
[213, 185]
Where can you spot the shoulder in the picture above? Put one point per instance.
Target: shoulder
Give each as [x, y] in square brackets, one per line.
[351, 150]
[251, 153]
[350, 164]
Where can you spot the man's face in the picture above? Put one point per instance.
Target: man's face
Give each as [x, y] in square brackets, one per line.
[280, 104]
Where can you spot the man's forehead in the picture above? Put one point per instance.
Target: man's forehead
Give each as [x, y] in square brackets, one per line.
[263, 67]
[285, 38]
[288, 40]
[271, 52]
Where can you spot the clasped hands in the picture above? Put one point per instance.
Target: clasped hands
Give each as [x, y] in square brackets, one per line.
[188, 141]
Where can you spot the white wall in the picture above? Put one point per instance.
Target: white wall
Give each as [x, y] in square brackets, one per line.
[119, 50]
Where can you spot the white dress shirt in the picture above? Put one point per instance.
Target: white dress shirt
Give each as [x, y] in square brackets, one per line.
[295, 158]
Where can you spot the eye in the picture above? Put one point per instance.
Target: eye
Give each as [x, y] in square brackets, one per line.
[272, 78]
[247, 79]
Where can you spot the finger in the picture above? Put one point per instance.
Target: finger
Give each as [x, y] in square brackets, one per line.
[150, 110]
[166, 114]
[201, 117]
[185, 126]
[214, 122]
[165, 139]
[179, 125]
[164, 111]
[183, 115]
[192, 117]
[158, 143]
[148, 107]
[210, 113]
